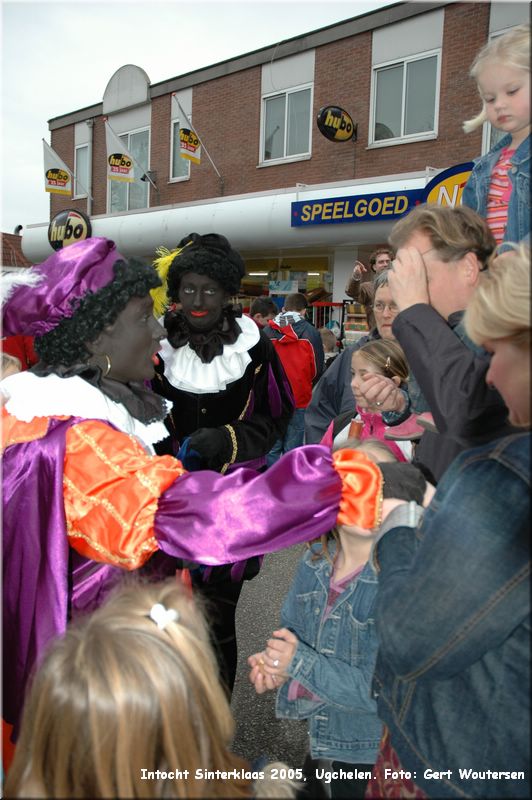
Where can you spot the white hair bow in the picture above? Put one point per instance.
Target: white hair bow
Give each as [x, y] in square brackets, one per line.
[162, 616]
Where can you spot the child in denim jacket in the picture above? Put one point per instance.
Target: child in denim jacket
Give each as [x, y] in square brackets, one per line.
[499, 185]
[321, 659]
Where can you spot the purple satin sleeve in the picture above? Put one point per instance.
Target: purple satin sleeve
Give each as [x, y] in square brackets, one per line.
[219, 519]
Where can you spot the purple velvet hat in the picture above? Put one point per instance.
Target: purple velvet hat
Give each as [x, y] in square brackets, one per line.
[58, 285]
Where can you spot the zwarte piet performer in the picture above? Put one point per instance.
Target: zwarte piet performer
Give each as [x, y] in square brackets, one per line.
[231, 398]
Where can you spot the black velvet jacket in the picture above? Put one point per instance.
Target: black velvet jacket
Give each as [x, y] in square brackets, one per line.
[258, 405]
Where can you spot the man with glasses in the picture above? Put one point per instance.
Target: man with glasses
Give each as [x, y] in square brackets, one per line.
[363, 291]
[440, 254]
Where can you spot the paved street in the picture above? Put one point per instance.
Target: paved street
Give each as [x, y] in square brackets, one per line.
[258, 732]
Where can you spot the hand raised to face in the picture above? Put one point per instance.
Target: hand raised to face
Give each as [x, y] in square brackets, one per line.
[408, 278]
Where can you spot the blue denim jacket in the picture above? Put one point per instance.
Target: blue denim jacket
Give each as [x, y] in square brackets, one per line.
[334, 660]
[453, 618]
[476, 189]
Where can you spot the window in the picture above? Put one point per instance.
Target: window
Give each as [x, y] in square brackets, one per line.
[286, 124]
[128, 196]
[81, 170]
[405, 100]
[179, 167]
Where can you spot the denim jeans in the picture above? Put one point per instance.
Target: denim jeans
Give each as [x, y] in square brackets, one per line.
[293, 437]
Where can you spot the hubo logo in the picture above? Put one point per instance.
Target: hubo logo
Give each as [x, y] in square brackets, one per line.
[336, 124]
[120, 161]
[57, 176]
[67, 227]
[188, 137]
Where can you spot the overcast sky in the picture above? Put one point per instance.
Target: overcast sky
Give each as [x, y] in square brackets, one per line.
[59, 56]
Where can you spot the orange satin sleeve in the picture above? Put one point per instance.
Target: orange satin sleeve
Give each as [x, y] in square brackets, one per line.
[361, 501]
[111, 489]
[14, 431]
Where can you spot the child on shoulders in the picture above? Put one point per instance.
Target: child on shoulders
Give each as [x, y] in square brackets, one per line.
[499, 185]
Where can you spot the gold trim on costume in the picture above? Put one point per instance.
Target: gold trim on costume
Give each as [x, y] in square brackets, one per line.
[148, 545]
[234, 454]
[87, 439]
[148, 484]
[242, 415]
[97, 501]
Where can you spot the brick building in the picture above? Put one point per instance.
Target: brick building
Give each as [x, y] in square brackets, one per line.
[400, 72]
[12, 255]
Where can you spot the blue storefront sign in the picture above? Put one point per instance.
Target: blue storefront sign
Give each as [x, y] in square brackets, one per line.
[357, 208]
[444, 189]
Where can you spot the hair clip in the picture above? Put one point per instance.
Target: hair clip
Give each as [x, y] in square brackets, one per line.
[162, 616]
[388, 364]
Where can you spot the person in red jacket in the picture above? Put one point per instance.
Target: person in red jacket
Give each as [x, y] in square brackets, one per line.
[21, 348]
[300, 350]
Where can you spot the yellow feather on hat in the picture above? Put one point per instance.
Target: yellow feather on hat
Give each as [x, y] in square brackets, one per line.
[162, 265]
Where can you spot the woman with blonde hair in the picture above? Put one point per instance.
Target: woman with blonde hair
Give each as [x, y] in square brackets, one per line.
[499, 319]
[453, 606]
[129, 704]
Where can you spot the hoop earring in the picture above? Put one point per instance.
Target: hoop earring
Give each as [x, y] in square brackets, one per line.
[107, 365]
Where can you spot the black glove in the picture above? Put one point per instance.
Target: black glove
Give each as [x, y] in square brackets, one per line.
[213, 445]
[403, 481]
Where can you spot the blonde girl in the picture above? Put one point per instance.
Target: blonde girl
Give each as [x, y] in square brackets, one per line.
[499, 185]
[129, 704]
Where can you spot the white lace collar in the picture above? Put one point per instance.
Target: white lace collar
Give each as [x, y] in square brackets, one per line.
[32, 396]
[184, 369]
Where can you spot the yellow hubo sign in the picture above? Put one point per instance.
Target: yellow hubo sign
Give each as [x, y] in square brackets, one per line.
[190, 145]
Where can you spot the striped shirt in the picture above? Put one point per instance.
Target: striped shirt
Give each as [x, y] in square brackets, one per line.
[499, 192]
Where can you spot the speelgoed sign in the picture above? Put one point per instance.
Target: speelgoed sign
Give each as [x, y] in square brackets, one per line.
[67, 227]
[444, 189]
[388, 205]
[336, 124]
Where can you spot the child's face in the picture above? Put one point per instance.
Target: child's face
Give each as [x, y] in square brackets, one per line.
[262, 319]
[361, 366]
[506, 95]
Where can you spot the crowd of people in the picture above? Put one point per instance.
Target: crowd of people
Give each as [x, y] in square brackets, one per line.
[157, 443]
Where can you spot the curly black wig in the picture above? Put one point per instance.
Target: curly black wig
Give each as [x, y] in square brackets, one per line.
[65, 344]
[210, 255]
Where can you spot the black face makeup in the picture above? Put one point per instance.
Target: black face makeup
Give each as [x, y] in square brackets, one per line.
[132, 341]
[202, 300]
